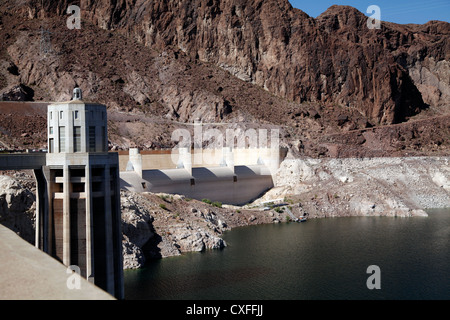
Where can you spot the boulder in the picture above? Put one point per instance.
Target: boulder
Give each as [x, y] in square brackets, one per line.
[17, 93]
[137, 230]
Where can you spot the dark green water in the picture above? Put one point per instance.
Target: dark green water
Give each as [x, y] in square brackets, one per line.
[318, 259]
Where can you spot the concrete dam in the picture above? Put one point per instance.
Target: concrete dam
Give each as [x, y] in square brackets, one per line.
[232, 175]
[78, 184]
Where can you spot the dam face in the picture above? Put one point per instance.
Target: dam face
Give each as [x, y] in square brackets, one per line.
[237, 176]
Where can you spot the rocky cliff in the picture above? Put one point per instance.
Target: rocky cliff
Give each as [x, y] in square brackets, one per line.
[388, 74]
[229, 61]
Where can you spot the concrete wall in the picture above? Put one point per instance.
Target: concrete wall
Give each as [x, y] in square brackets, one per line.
[27, 273]
[231, 176]
[216, 184]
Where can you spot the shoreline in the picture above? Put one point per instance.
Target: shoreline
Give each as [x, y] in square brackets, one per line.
[319, 188]
[163, 225]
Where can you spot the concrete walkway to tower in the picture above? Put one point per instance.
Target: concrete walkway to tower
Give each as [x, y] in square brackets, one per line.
[27, 273]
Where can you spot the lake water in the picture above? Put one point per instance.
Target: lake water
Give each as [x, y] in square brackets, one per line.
[318, 259]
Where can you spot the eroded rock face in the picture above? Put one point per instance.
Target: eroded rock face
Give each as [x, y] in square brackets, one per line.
[432, 79]
[368, 186]
[187, 240]
[136, 229]
[17, 93]
[387, 74]
[133, 257]
[151, 232]
[17, 208]
[334, 58]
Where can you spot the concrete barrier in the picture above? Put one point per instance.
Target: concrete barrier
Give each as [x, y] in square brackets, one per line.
[27, 273]
[237, 187]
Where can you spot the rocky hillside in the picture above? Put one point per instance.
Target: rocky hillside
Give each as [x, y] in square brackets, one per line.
[386, 73]
[160, 64]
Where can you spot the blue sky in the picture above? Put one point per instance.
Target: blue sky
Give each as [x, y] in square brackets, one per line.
[398, 11]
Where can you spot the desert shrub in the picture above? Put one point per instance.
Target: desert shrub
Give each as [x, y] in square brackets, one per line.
[217, 204]
[207, 201]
